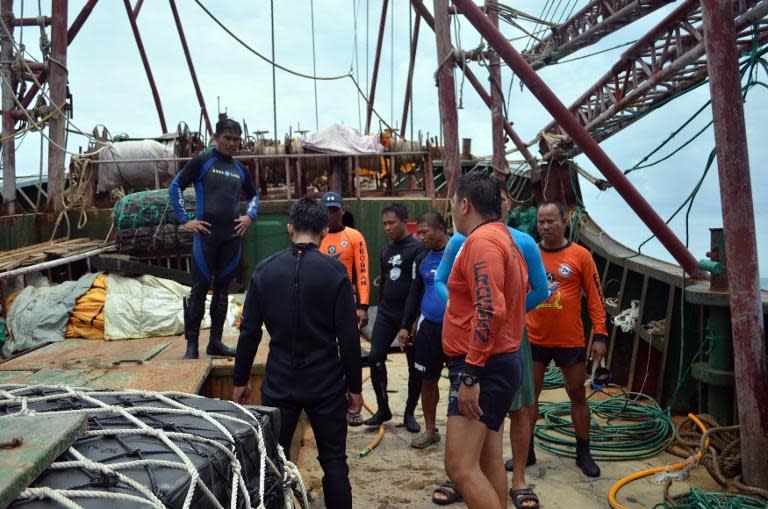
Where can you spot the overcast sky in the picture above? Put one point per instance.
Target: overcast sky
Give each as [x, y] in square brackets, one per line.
[109, 87]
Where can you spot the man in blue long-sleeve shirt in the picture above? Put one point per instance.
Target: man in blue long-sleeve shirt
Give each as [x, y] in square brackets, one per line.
[306, 301]
[218, 229]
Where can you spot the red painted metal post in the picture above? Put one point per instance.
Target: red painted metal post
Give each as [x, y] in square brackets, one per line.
[77, 24]
[192, 73]
[499, 159]
[145, 61]
[137, 9]
[8, 104]
[446, 89]
[58, 89]
[581, 137]
[422, 11]
[377, 59]
[409, 82]
[750, 362]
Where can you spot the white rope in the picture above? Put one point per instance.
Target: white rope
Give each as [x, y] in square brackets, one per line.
[627, 319]
[10, 394]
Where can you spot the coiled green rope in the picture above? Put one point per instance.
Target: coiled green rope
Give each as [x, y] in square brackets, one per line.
[553, 377]
[698, 499]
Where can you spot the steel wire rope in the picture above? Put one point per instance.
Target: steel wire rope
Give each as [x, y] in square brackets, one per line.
[314, 59]
[356, 60]
[263, 57]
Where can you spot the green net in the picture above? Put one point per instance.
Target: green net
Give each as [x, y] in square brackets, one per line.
[699, 499]
[149, 208]
[523, 219]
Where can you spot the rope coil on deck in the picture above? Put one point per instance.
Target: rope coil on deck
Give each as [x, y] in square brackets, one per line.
[136, 415]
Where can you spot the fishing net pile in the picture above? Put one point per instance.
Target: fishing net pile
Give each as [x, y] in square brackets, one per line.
[159, 450]
[146, 223]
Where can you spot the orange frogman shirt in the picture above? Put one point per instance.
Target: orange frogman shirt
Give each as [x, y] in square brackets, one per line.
[486, 289]
[348, 246]
[556, 322]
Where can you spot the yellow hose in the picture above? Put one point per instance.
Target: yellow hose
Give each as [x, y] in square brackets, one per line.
[645, 473]
[379, 437]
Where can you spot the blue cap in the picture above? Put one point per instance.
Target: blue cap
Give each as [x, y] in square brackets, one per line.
[332, 200]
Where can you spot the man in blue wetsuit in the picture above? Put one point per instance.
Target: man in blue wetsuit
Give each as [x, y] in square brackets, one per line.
[519, 429]
[423, 300]
[218, 229]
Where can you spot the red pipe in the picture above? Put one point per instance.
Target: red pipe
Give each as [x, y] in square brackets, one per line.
[409, 83]
[58, 91]
[30, 22]
[77, 24]
[749, 351]
[422, 11]
[145, 61]
[499, 159]
[375, 77]
[580, 136]
[137, 9]
[188, 56]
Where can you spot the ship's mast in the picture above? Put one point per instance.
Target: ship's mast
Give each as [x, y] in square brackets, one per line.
[9, 142]
[57, 80]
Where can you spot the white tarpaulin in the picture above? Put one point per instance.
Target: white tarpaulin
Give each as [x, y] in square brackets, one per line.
[340, 138]
[136, 175]
[148, 306]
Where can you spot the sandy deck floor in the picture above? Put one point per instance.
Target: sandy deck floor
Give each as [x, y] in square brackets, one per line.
[395, 475]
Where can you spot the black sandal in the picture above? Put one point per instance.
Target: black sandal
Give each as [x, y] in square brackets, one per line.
[523, 495]
[451, 492]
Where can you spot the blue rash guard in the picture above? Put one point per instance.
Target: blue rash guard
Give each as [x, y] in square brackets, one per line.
[537, 277]
[423, 295]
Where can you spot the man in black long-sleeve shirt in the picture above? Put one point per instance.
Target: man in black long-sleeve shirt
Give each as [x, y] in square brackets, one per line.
[306, 301]
[397, 271]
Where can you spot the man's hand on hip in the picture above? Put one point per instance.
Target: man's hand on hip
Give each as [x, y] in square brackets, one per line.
[197, 226]
[241, 394]
[469, 401]
[241, 225]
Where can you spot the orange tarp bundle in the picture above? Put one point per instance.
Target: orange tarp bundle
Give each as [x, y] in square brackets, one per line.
[87, 318]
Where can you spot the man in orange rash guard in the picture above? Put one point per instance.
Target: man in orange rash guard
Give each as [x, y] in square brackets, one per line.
[482, 331]
[555, 328]
[348, 246]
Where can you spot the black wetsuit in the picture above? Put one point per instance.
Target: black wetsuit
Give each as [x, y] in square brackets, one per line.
[219, 181]
[398, 270]
[306, 301]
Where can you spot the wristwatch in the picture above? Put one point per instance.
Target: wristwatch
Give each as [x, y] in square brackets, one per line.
[467, 380]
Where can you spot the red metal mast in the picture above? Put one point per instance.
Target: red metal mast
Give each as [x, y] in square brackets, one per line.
[577, 132]
[375, 77]
[499, 159]
[58, 89]
[8, 104]
[750, 363]
[445, 84]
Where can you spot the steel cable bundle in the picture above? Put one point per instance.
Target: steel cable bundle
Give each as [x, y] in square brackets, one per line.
[634, 427]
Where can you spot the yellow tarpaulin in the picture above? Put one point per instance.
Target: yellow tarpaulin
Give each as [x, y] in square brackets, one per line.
[87, 319]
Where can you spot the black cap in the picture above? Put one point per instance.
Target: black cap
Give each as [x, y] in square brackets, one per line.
[332, 200]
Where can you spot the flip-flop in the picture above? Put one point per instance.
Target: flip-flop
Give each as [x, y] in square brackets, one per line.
[425, 440]
[355, 419]
[451, 492]
[523, 495]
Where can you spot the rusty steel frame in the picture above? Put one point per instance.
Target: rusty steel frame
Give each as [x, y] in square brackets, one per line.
[751, 366]
[446, 90]
[137, 8]
[422, 11]
[666, 61]
[74, 29]
[57, 77]
[499, 158]
[376, 61]
[192, 73]
[8, 105]
[580, 135]
[409, 81]
[590, 24]
[145, 61]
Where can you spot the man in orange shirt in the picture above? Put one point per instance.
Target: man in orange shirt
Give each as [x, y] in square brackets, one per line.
[555, 328]
[482, 331]
[348, 246]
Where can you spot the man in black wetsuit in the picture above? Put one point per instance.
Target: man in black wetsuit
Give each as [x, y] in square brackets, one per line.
[306, 300]
[218, 229]
[397, 271]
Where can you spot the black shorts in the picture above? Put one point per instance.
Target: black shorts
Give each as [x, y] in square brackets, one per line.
[563, 356]
[384, 332]
[429, 357]
[498, 385]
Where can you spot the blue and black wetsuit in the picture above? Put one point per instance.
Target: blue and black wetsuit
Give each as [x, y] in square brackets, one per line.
[219, 182]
